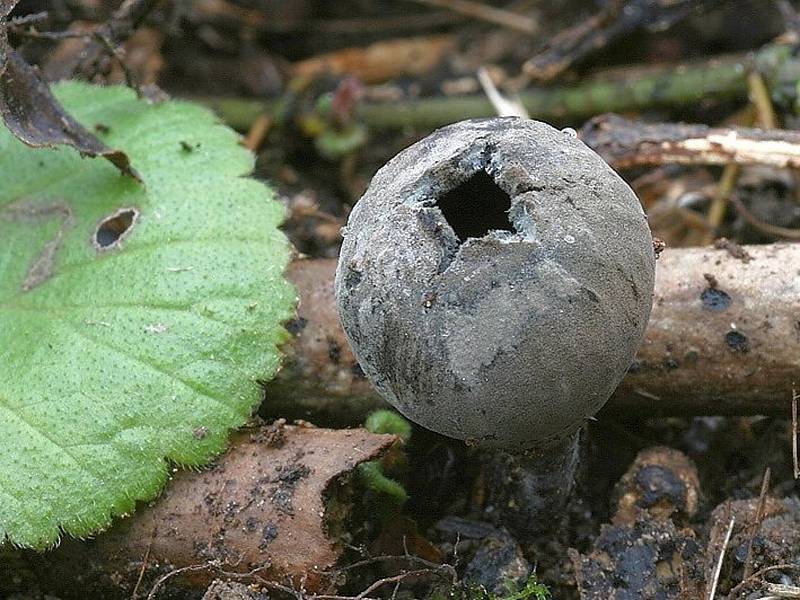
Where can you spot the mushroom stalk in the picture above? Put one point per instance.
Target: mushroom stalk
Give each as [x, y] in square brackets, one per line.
[527, 492]
[494, 283]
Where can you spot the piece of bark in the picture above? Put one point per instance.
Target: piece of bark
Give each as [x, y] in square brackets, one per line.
[269, 510]
[320, 376]
[739, 338]
[624, 143]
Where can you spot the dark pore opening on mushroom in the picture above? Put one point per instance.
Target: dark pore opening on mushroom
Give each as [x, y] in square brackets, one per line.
[113, 227]
[476, 207]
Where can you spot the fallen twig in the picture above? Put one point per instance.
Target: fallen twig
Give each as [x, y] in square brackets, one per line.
[777, 591]
[624, 144]
[740, 338]
[720, 78]
[718, 568]
[760, 573]
[615, 20]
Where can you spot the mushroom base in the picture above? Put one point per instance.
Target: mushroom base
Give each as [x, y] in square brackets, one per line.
[527, 492]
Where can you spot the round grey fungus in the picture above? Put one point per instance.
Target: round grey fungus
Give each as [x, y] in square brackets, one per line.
[495, 282]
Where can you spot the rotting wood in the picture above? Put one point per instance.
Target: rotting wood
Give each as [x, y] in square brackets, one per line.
[737, 331]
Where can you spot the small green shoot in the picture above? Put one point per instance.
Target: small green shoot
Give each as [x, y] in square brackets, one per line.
[371, 473]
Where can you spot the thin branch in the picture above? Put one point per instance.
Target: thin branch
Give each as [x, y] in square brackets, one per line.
[164, 578]
[387, 558]
[624, 143]
[216, 567]
[760, 573]
[399, 578]
[756, 223]
[779, 591]
[27, 19]
[636, 88]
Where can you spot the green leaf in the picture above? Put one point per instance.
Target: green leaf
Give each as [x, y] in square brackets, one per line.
[117, 357]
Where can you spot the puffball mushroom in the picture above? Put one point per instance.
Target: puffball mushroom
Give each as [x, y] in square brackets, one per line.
[495, 281]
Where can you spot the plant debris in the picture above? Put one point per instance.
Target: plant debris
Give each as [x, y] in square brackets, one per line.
[644, 552]
[695, 103]
[757, 288]
[269, 512]
[33, 114]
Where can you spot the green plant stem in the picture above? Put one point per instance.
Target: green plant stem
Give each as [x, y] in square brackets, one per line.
[636, 88]
[371, 473]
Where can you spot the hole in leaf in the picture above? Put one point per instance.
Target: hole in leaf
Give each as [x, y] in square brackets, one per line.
[114, 227]
[476, 207]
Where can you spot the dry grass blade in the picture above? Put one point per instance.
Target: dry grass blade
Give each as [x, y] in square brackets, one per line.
[505, 107]
[778, 591]
[795, 460]
[723, 193]
[718, 568]
[760, 98]
[255, 136]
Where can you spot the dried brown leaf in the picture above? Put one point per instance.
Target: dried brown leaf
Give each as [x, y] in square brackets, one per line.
[271, 503]
[271, 510]
[33, 114]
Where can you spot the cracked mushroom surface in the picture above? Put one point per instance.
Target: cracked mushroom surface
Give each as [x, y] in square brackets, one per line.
[495, 281]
